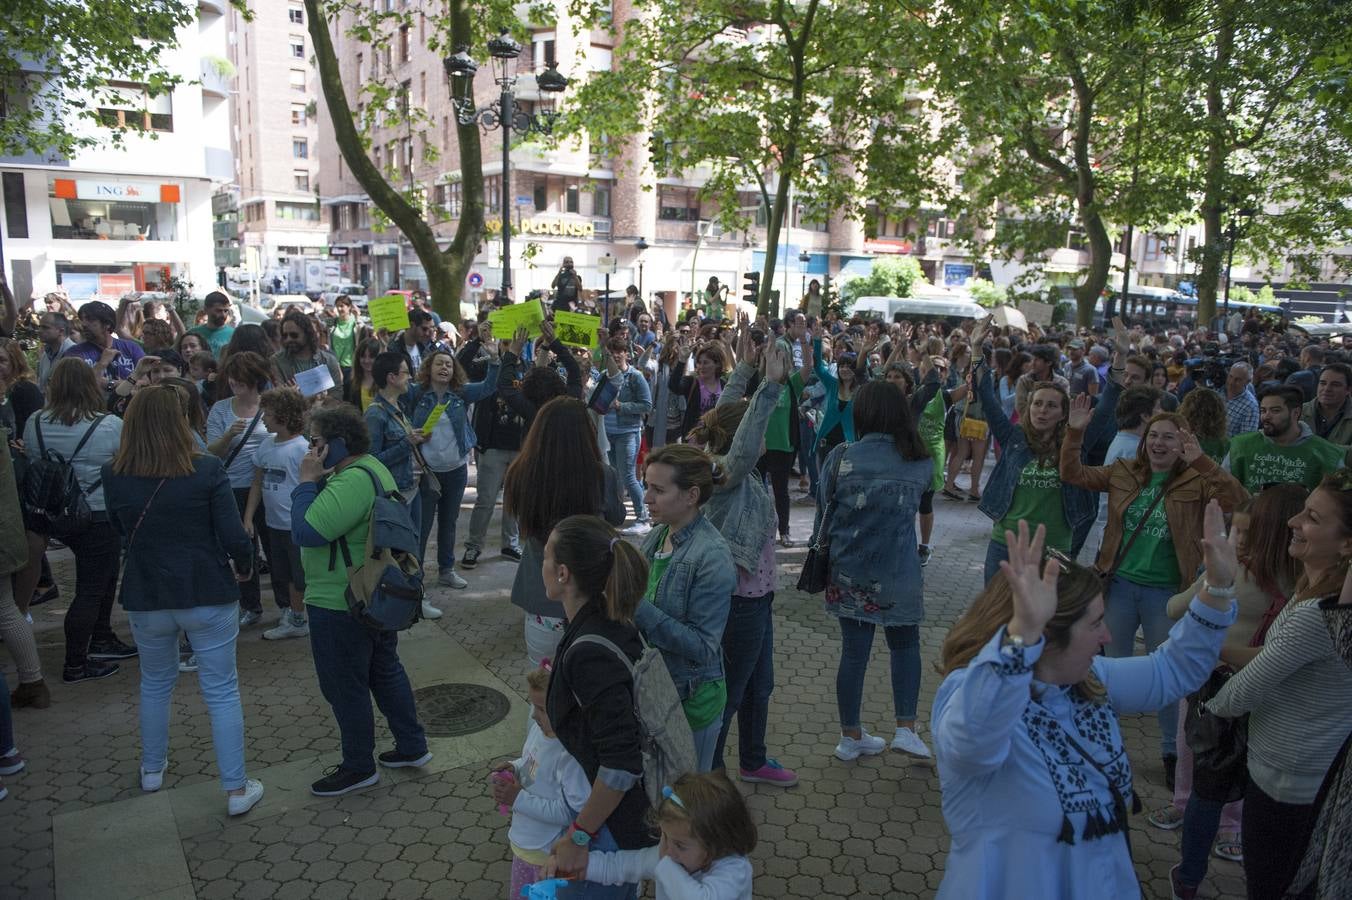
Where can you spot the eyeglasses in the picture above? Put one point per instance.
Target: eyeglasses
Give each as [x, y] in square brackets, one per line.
[292, 335]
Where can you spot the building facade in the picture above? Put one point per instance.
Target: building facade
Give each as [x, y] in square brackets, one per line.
[117, 219]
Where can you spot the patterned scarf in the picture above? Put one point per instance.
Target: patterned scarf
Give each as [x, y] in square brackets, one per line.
[1073, 774]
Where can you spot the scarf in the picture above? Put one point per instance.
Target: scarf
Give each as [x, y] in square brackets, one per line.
[1073, 773]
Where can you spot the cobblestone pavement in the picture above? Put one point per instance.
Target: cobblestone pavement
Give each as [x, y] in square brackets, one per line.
[867, 829]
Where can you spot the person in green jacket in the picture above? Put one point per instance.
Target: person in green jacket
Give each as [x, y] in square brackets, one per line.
[1284, 449]
[782, 434]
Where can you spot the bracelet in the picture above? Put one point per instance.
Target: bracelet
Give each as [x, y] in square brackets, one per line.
[590, 834]
[1220, 593]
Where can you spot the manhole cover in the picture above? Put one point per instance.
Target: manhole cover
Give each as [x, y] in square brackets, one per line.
[452, 710]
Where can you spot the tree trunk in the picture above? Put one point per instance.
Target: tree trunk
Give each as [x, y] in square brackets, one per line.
[469, 231]
[772, 230]
[1215, 177]
[1087, 292]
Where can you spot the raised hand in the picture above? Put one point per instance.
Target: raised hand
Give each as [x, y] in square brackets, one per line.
[1034, 594]
[1192, 451]
[1081, 411]
[1218, 553]
[778, 365]
[547, 332]
[518, 343]
[1121, 336]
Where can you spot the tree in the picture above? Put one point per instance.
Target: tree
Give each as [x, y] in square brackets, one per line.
[892, 276]
[805, 97]
[56, 60]
[1047, 112]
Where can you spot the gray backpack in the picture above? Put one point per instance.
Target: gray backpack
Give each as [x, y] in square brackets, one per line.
[668, 743]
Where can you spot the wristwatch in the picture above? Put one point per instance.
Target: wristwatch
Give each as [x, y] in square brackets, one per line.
[580, 836]
[1012, 646]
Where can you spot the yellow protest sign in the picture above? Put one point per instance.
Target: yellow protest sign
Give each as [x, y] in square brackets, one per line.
[576, 329]
[508, 319]
[389, 312]
[433, 417]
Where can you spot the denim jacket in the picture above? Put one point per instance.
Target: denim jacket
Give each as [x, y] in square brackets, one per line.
[636, 401]
[1080, 506]
[690, 609]
[741, 509]
[421, 401]
[389, 438]
[875, 565]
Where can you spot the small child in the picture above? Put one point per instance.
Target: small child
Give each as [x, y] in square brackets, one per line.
[545, 789]
[276, 474]
[202, 369]
[707, 833]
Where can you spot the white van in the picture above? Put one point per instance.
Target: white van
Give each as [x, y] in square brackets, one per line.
[888, 308]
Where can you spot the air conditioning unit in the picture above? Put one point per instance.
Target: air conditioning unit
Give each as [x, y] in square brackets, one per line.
[601, 226]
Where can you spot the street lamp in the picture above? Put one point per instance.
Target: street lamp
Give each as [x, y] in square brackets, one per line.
[503, 50]
[804, 258]
[640, 245]
[1232, 233]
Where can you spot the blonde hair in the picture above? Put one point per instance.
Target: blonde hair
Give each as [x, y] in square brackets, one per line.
[538, 679]
[715, 811]
[692, 468]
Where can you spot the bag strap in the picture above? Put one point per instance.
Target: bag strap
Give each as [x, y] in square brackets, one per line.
[609, 645]
[84, 439]
[403, 422]
[821, 539]
[244, 439]
[1122, 550]
[340, 545]
[145, 509]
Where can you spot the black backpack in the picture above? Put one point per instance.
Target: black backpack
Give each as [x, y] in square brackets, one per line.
[53, 501]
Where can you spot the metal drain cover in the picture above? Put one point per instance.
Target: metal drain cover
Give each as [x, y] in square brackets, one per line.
[453, 710]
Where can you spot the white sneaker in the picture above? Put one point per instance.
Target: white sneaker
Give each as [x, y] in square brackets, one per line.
[449, 578]
[189, 664]
[292, 625]
[908, 742]
[866, 745]
[153, 781]
[638, 528]
[429, 611]
[239, 804]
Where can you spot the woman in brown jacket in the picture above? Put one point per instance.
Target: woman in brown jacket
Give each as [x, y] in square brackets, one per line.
[1152, 543]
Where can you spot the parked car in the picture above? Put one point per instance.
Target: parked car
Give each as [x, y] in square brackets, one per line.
[287, 302]
[355, 291]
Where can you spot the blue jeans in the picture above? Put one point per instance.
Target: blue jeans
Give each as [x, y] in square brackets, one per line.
[355, 663]
[445, 509]
[1131, 605]
[706, 739]
[807, 460]
[212, 631]
[856, 640]
[624, 459]
[1201, 821]
[749, 667]
[996, 553]
[591, 890]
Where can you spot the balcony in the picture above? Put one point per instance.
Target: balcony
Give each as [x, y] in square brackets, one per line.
[217, 75]
[214, 6]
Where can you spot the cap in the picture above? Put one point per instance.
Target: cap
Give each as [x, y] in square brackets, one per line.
[1076, 344]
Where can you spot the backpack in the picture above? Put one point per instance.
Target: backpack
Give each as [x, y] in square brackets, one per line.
[384, 592]
[668, 743]
[53, 501]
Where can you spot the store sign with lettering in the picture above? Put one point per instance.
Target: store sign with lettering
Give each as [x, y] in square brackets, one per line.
[109, 190]
[558, 228]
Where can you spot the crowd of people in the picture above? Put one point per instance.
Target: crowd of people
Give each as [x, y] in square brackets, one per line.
[646, 482]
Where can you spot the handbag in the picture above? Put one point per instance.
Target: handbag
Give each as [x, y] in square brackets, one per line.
[816, 573]
[1220, 746]
[1106, 578]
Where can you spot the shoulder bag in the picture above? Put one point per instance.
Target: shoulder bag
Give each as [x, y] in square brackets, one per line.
[816, 574]
[428, 483]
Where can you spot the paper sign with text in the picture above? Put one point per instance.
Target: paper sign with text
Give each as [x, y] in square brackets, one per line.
[433, 417]
[577, 329]
[508, 319]
[313, 382]
[389, 313]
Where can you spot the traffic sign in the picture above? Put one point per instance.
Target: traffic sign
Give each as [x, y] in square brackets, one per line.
[523, 200]
[605, 265]
[475, 280]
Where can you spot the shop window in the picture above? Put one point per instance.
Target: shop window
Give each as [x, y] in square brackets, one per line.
[112, 211]
[126, 105]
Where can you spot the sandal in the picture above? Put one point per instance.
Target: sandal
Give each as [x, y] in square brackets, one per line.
[1166, 818]
[974, 498]
[951, 494]
[1228, 846]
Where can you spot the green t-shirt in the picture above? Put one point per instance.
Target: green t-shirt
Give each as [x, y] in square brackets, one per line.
[342, 339]
[777, 435]
[706, 704]
[1151, 560]
[1256, 461]
[1037, 498]
[1215, 448]
[216, 338]
[342, 509]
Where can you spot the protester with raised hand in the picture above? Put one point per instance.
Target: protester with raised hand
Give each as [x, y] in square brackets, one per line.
[1035, 777]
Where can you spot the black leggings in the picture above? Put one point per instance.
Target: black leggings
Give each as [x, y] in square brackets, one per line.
[1274, 837]
[776, 465]
[927, 503]
[250, 592]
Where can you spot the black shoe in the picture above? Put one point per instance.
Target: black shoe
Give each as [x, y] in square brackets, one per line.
[338, 781]
[1170, 764]
[110, 648]
[92, 670]
[393, 759]
[470, 559]
[42, 595]
[512, 553]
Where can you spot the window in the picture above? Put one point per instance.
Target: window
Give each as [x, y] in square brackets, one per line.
[297, 47]
[405, 88]
[104, 211]
[422, 88]
[301, 212]
[379, 158]
[406, 157]
[300, 148]
[601, 200]
[361, 69]
[677, 204]
[445, 132]
[572, 195]
[127, 105]
[1075, 239]
[541, 195]
[296, 15]
[301, 180]
[454, 197]
[403, 43]
[298, 114]
[298, 80]
[544, 51]
[941, 228]
[493, 193]
[363, 215]
[16, 209]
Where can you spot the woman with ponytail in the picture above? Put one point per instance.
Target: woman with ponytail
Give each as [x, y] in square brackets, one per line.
[599, 580]
[691, 579]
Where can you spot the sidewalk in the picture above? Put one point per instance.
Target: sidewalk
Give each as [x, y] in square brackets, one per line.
[79, 826]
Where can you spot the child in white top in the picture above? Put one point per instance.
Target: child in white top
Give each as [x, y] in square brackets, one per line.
[707, 834]
[545, 789]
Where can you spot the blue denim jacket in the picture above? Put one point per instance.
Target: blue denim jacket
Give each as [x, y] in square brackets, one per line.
[875, 563]
[420, 402]
[1080, 506]
[742, 509]
[389, 439]
[690, 609]
[636, 401]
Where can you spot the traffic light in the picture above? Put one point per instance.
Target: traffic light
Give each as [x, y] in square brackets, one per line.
[751, 287]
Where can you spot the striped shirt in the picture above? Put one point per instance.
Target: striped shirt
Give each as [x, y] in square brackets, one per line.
[1298, 693]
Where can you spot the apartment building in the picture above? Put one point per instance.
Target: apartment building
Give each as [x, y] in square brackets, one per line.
[275, 136]
[116, 219]
[575, 201]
